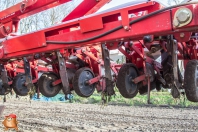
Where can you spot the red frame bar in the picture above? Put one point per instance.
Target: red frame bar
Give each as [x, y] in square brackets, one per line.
[59, 32]
[94, 80]
[86, 7]
[56, 82]
[139, 79]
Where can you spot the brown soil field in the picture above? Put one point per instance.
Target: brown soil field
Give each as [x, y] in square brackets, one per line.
[61, 117]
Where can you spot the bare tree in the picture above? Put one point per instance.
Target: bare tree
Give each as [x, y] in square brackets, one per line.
[43, 19]
[174, 2]
[26, 25]
[7, 3]
[46, 18]
[56, 14]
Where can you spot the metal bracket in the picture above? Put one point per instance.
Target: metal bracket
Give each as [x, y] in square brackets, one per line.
[28, 76]
[4, 78]
[107, 65]
[125, 20]
[63, 73]
[173, 44]
[149, 91]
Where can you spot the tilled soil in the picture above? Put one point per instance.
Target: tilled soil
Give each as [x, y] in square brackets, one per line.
[61, 117]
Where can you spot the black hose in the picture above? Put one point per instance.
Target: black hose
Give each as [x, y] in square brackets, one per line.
[119, 27]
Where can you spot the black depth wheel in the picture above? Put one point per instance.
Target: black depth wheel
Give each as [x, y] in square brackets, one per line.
[127, 88]
[19, 85]
[191, 80]
[80, 85]
[45, 85]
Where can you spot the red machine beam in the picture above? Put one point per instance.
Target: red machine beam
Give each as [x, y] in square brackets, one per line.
[98, 6]
[85, 7]
[156, 25]
[27, 8]
[39, 38]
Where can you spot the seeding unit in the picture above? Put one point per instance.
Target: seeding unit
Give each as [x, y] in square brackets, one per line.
[76, 52]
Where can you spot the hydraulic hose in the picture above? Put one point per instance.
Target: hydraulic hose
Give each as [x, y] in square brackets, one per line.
[120, 27]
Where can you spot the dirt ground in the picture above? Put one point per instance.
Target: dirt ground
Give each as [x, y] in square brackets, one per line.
[61, 117]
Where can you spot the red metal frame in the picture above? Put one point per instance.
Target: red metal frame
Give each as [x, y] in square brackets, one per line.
[127, 39]
[86, 7]
[38, 43]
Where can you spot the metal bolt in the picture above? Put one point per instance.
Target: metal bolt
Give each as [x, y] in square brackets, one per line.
[107, 58]
[182, 35]
[131, 44]
[183, 16]
[126, 28]
[87, 82]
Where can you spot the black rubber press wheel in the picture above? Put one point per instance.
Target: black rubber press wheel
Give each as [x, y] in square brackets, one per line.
[126, 86]
[19, 85]
[191, 80]
[80, 85]
[45, 84]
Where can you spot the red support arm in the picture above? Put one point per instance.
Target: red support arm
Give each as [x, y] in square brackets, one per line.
[85, 8]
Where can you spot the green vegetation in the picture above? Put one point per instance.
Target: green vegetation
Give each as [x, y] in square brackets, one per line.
[157, 98]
